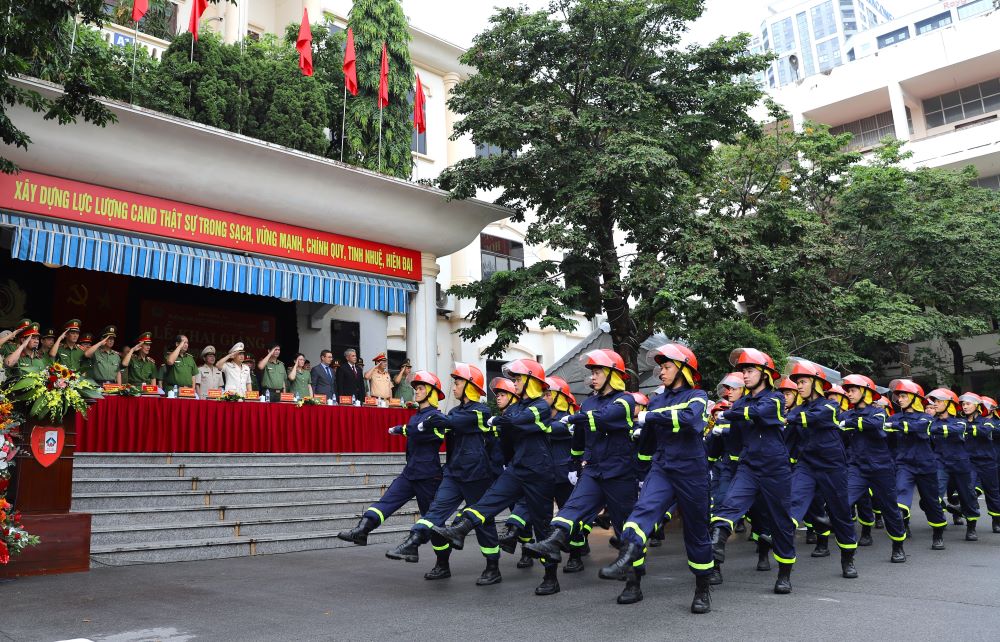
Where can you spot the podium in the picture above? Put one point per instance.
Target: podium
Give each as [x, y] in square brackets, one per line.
[44, 496]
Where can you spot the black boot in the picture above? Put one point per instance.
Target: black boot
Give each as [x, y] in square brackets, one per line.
[526, 561]
[763, 548]
[996, 524]
[455, 534]
[632, 592]
[441, 570]
[970, 531]
[550, 583]
[847, 563]
[937, 539]
[550, 547]
[508, 539]
[409, 549]
[879, 524]
[491, 574]
[898, 554]
[614, 542]
[715, 577]
[906, 523]
[866, 536]
[719, 537]
[619, 569]
[656, 539]
[359, 534]
[741, 526]
[784, 584]
[603, 520]
[702, 602]
[957, 520]
[574, 565]
[810, 536]
[822, 546]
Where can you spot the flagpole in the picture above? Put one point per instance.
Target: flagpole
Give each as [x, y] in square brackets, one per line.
[135, 50]
[343, 123]
[380, 138]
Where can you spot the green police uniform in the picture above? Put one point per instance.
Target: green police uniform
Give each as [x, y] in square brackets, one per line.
[72, 358]
[181, 373]
[8, 348]
[299, 385]
[105, 366]
[141, 370]
[29, 363]
[273, 377]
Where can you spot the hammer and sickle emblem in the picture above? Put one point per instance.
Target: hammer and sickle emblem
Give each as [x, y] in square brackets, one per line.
[78, 295]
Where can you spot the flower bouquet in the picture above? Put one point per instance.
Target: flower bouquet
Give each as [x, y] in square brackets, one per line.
[126, 390]
[231, 396]
[13, 537]
[50, 394]
[308, 401]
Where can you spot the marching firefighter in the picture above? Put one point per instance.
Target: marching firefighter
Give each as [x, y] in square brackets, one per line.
[916, 465]
[872, 466]
[530, 472]
[467, 475]
[676, 421]
[948, 437]
[422, 474]
[602, 433]
[822, 464]
[764, 470]
[979, 437]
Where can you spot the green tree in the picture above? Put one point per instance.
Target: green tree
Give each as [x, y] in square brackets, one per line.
[158, 20]
[611, 121]
[375, 22]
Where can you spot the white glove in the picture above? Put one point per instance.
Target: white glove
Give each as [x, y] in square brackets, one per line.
[570, 428]
[636, 434]
[641, 417]
[717, 430]
[489, 422]
[395, 430]
[641, 482]
[420, 426]
[573, 477]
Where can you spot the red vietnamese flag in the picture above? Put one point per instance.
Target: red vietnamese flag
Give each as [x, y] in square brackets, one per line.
[304, 45]
[197, 8]
[350, 65]
[383, 80]
[139, 9]
[419, 119]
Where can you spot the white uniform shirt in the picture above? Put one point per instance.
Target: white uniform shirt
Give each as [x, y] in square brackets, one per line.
[237, 377]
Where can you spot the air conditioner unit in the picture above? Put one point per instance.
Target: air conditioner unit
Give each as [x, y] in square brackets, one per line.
[445, 301]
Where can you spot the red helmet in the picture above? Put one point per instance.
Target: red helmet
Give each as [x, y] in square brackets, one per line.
[604, 358]
[640, 398]
[753, 357]
[804, 368]
[990, 404]
[976, 399]
[428, 378]
[786, 383]
[679, 353]
[527, 367]
[862, 381]
[906, 385]
[944, 394]
[834, 389]
[470, 373]
[731, 380]
[500, 384]
[558, 384]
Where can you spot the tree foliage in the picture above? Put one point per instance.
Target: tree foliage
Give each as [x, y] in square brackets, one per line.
[611, 121]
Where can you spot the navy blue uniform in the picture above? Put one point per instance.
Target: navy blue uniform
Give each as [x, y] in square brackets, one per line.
[764, 471]
[916, 465]
[530, 471]
[948, 439]
[979, 441]
[730, 443]
[602, 432]
[422, 474]
[468, 473]
[872, 466]
[822, 467]
[676, 419]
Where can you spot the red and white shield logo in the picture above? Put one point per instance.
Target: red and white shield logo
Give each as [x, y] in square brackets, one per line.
[47, 443]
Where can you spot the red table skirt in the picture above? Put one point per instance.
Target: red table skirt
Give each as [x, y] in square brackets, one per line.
[147, 425]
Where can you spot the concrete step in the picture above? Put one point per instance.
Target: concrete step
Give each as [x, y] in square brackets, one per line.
[139, 517]
[85, 502]
[189, 550]
[87, 470]
[238, 458]
[103, 537]
[111, 485]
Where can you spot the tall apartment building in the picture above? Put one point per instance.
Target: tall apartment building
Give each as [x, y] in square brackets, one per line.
[808, 37]
[931, 79]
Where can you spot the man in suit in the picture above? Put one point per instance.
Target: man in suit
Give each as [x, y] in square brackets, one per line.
[350, 377]
[322, 376]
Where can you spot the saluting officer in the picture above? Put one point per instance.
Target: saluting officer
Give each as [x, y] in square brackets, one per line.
[179, 367]
[273, 377]
[140, 369]
[70, 354]
[26, 357]
[105, 363]
[209, 376]
[45, 344]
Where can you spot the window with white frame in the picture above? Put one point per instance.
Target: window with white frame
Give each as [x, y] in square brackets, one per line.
[968, 102]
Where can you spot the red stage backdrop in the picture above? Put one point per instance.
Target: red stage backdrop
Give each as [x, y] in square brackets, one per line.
[205, 326]
[59, 198]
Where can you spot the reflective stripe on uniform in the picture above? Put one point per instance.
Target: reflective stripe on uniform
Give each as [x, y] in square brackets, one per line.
[424, 522]
[782, 560]
[518, 519]
[563, 520]
[478, 515]
[381, 517]
[490, 551]
[443, 547]
[590, 418]
[479, 419]
[628, 410]
[538, 420]
[638, 531]
[701, 567]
